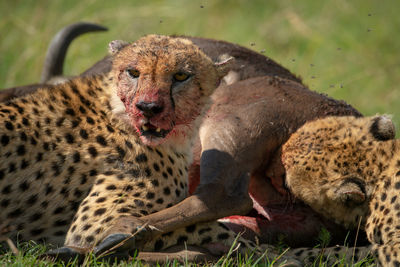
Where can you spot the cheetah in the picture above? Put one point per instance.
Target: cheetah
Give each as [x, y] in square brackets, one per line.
[242, 134]
[79, 157]
[348, 169]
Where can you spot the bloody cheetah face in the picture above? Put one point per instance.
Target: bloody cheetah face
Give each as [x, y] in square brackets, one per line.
[164, 84]
[333, 164]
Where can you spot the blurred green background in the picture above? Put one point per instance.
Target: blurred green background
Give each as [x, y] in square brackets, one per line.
[347, 49]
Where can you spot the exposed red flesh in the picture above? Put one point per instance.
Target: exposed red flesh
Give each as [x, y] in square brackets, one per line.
[275, 216]
[297, 226]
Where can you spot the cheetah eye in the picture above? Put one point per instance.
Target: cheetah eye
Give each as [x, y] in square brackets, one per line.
[134, 73]
[180, 76]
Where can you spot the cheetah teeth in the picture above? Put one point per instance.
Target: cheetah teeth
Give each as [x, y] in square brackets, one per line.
[145, 128]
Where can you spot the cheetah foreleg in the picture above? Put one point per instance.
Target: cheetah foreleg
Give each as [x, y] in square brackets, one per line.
[331, 255]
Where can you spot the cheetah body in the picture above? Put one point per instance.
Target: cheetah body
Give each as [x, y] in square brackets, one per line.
[76, 158]
[71, 153]
[73, 150]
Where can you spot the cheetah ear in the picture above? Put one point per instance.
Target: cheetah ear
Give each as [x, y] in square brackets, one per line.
[115, 46]
[224, 65]
[382, 128]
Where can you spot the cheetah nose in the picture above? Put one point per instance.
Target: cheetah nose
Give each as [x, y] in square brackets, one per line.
[149, 109]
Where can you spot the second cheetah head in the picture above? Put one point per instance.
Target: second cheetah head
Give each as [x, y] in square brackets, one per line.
[333, 164]
[164, 83]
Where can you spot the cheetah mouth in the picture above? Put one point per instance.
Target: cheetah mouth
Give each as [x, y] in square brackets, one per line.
[150, 130]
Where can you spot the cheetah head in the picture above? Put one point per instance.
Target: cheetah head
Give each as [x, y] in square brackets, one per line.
[333, 164]
[163, 85]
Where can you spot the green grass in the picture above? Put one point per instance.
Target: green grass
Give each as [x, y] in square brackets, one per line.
[29, 255]
[347, 49]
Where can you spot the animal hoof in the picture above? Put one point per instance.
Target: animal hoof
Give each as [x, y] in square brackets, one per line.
[64, 254]
[119, 246]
